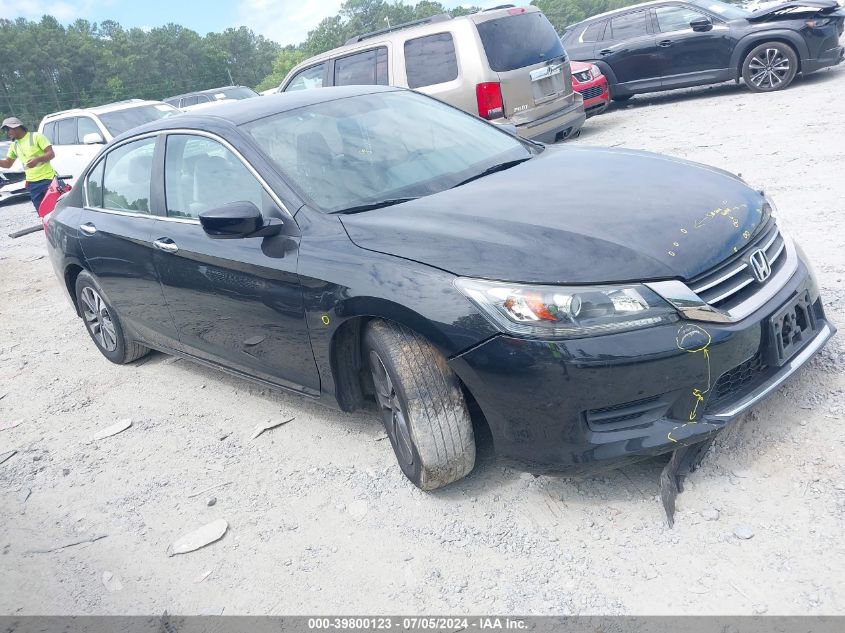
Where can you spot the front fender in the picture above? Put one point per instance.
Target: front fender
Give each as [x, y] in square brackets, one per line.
[744, 46]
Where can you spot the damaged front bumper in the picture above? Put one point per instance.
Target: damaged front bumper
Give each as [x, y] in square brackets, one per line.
[589, 404]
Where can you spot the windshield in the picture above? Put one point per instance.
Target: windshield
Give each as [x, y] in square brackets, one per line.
[367, 149]
[120, 121]
[236, 93]
[518, 41]
[727, 11]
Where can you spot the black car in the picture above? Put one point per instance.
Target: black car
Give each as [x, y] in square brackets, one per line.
[357, 242]
[668, 44]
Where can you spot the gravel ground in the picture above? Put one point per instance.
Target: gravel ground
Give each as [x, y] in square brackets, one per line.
[321, 519]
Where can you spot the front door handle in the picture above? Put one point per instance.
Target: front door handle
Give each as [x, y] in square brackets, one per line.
[665, 43]
[88, 228]
[605, 51]
[166, 244]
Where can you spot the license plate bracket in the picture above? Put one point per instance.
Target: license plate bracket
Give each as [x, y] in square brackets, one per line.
[792, 327]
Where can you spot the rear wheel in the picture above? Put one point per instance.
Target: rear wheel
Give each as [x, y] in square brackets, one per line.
[769, 67]
[421, 404]
[103, 324]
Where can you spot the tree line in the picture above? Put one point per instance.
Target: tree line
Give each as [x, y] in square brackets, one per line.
[86, 64]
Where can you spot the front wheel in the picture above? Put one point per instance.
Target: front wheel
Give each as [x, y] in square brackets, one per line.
[422, 406]
[769, 67]
[103, 323]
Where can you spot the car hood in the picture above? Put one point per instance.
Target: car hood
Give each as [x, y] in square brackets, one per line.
[794, 10]
[577, 67]
[573, 215]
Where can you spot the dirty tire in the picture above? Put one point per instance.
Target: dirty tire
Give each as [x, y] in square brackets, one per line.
[620, 98]
[103, 323]
[421, 404]
[769, 67]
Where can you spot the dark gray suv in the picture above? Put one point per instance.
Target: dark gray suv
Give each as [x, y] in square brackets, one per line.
[667, 44]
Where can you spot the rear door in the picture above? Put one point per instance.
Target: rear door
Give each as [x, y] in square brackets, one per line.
[114, 231]
[525, 51]
[236, 302]
[630, 49]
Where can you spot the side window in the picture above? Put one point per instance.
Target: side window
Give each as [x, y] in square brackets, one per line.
[87, 126]
[189, 101]
[127, 176]
[675, 18]
[362, 69]
[202, 174]
[629, 26]
[50, 132]
[430, 60]
[202, 99]
[66, 132]
[308, 78]
[94, 185]
[594, 32]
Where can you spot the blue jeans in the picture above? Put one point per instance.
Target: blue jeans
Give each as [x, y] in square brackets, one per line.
[37, 191]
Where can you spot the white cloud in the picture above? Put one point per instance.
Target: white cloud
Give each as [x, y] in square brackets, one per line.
[288, 21]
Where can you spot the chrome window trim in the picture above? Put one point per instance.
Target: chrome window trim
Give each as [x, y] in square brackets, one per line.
[189, 132]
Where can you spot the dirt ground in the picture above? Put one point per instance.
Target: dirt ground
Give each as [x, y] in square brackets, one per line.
[321, 519]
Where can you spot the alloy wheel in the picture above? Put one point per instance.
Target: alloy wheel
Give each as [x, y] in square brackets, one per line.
[768, 68]
[97, 319]
[392, 415]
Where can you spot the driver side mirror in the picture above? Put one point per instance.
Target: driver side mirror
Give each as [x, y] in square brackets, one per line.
[237, 220]
[701, 24]
[92, 138]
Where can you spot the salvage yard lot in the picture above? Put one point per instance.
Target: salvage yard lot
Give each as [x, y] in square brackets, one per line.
[321, 520]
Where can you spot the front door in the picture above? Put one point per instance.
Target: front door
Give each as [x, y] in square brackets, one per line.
[688, 52]
[631, 51]
[115, 232]
[236, 302]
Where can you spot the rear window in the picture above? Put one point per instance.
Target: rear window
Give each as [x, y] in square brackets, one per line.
[594, 32]
[362, 69]
[430, 60]
[119, 121]
[517, 41]
[629, 25]
[241, 92]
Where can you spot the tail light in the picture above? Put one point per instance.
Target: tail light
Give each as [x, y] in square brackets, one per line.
[490, 103]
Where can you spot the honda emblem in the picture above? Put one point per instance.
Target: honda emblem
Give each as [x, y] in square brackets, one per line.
[760, 265]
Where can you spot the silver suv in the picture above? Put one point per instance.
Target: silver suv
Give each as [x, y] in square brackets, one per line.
[506, 65]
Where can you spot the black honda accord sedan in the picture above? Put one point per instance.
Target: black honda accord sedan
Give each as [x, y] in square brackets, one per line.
[369, 242]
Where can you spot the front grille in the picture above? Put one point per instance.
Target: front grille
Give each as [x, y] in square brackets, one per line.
[731, 283]
[589, 93]
[736, 382]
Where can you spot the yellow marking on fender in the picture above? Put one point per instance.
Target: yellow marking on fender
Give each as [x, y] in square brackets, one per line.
[325, 319]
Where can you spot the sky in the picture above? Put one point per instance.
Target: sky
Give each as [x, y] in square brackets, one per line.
[284, 21]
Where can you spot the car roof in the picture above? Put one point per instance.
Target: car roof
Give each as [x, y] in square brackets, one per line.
[107, 107]
[238, 112]
[207, 91]
[621, 10]
[407, 31]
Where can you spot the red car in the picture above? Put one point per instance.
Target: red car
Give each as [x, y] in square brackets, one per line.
[592, 84]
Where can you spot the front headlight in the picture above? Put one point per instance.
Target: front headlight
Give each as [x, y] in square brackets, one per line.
[595, 71]
[566, 311]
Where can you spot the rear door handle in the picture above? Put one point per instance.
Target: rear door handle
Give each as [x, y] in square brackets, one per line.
[605, 51]
[88, 228]
[665, 43]
[166, 244]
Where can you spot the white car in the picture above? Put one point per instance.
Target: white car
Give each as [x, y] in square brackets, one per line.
[76, 135]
